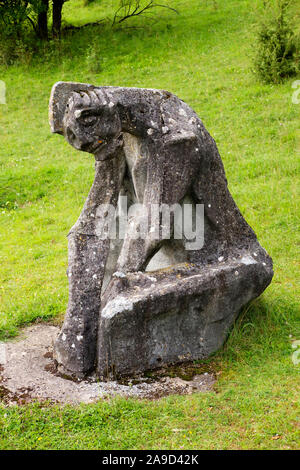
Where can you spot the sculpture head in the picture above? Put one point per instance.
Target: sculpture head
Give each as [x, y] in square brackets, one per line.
[86, 117]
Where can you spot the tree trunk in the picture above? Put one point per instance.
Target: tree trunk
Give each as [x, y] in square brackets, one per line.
[56, 17]
[42, 26]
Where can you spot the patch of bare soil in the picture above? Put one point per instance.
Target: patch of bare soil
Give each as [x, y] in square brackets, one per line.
[28, 373]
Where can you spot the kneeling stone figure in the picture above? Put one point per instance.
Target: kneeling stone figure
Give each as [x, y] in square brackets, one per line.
[136, 303]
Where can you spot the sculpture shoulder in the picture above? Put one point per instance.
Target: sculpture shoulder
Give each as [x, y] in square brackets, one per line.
[131, 96]
[147, 112]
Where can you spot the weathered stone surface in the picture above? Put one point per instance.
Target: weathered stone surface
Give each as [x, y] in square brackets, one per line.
[178, 315]
[167, 301]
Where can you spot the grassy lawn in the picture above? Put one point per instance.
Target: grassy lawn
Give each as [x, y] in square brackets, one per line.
[204, 56]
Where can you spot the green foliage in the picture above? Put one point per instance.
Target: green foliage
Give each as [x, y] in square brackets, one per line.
[18, 28]
[17, 51]
[276, 50]
[22, 35]
[16, 14]
[93, 57]
[13, 14]
[13, 23]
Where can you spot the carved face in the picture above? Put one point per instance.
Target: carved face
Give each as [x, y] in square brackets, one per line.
[90, 122]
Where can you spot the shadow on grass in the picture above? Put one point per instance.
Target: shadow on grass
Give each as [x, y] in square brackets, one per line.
[262, 329]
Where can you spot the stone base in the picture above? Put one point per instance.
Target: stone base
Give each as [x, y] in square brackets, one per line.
[177, 314]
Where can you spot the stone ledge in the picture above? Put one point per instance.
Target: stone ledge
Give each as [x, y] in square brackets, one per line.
[179, 319]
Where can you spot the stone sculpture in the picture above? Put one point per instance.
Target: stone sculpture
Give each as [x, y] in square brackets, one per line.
[139, 302]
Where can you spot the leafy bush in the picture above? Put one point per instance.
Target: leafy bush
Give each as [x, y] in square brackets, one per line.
[93, 57]
[14, 50]
[16, 18]
[13, 14]
[276, 53]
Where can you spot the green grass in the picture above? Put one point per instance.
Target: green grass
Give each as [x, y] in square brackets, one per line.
[203, 56]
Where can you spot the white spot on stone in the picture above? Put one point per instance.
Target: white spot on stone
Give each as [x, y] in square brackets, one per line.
[208, 205]
[220, 258]
[247, 259]
[236, 273]
[73, 346]
[150, 131]
[264, 264]
[111, 104]
[77, 113]
[79, 337]
[197, 150]
[94, 276]
[116, 306]
[165, 129]
[254, 254]
[87, 270]
[119, 274]
[63, 337]
[182, 112]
